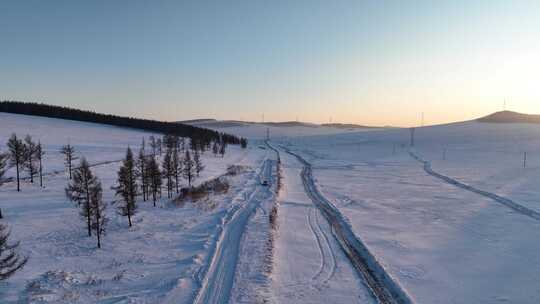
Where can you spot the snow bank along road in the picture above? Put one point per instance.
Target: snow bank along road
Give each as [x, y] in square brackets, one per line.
[381, 284]
[503, 200]
[217, 283]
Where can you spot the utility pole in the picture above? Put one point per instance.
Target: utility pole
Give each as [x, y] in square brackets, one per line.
[412, 136]
[524, 159]
[267, 133]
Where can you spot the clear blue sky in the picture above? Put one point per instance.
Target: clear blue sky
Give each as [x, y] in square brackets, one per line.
[372, 62]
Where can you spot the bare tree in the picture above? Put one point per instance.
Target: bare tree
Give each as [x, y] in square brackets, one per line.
[97, 212]
[10, 260]
[177, 169]
[39, 155]
[30, 157]
[16, 151]
[155, 178]
[69, 156]
[188, 169]
[81, 190]
[168, 170]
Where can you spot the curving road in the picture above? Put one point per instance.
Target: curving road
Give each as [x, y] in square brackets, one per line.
[381, 284]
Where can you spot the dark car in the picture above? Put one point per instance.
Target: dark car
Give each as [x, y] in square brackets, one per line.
[264, 183]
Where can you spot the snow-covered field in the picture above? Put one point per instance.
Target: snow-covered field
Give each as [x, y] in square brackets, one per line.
[453, 219]
[164, 256]
[442, 242]
[309, 265]
[260, 130]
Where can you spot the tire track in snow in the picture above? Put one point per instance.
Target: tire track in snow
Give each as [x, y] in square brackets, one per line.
[328, 259]
[319, 245]
[217, 282]
[330, 250]
[497, 198]
[380, 282]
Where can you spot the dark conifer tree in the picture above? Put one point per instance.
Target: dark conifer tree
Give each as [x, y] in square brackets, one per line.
[177, 169]
[82, 190]
[188, 168]
[127, 187]
[39, 155]
[69, 156]
[10, 260]
[168, 170]
[215, 148]
[199, 167]
[155, 178]
[97, 208]
[16, 151]
[141, 170]
[222, 147]
[30, 157]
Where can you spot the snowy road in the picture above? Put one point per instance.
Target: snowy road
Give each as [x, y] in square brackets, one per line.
[309, 266]
[218, 281]
[452, 181]
[379, 281]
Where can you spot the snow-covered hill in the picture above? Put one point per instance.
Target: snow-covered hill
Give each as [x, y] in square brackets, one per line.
[255, 130]
[457, 228]
[166, 251]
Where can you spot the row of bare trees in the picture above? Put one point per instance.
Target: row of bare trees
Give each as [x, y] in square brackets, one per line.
[26, 155]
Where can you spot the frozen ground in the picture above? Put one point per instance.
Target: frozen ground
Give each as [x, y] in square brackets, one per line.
[309, 264]
[164, 256]
[442, 243]
[450, 220]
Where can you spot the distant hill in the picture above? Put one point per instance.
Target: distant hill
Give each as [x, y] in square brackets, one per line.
[511, 117]
[213, 123]
[290, 124]
[347, 126]
[196, 121]
[194, 132]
